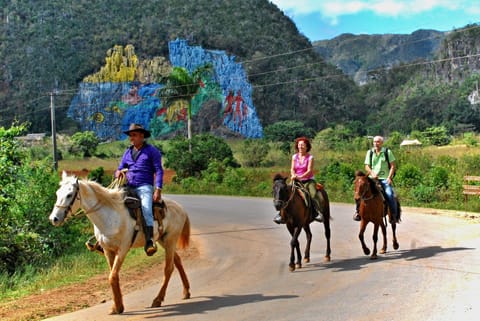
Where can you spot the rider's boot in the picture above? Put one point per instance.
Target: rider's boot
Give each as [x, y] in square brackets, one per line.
[94, 247]
[278, 219]
[356, 216]
[319, 216]
[150, 246]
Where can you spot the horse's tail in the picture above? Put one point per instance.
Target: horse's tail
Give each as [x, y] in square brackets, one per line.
[327, 214]
[184, 239]
[399, 211]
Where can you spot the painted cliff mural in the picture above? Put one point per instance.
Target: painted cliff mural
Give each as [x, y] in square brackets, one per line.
[225, 100]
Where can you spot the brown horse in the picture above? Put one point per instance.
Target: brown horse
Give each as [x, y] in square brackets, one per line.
[290, 201]
[115, 230]
[372, 210]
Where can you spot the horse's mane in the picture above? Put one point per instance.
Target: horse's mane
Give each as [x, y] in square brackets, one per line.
[373, 185]
[109, 197]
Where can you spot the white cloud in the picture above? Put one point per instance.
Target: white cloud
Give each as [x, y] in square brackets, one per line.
[331, 9]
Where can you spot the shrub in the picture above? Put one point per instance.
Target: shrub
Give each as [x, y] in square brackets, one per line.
[409, 175]
[423, 194]
[438, 177]
[205, 149]
[253, 152]
[286, 131]
[84, 143]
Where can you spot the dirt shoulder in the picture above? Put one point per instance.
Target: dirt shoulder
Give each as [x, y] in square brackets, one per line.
[74, 297]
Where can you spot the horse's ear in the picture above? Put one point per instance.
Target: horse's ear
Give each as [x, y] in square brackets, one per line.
[64, 175]
[277, 177]
[359, 173]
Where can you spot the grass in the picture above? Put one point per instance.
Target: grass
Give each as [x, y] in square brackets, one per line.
[68, 270]
[87, 164]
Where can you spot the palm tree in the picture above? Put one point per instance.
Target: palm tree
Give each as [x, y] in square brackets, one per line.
[179, 90]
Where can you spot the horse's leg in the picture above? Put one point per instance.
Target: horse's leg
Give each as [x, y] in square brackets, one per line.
[186, 285]
[293, 244]
[296, 244]
[363, 226]
[375, 239]
[326, 225]
[308, 232]
[291, 264]
[167, 273]
[115, 262]
[384, 233]
[395, 242]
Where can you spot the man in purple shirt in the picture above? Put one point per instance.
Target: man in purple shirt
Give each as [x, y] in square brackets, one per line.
[144, 175]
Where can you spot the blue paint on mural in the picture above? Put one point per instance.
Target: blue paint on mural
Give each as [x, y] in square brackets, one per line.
[109, 108]
[231, 77]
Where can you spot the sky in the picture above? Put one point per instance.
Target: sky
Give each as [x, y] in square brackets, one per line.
[326, 19]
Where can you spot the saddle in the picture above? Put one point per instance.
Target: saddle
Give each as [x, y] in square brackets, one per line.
[134, 206]
[308, 199]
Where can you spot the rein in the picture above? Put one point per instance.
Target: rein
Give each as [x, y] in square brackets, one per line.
[287, 202]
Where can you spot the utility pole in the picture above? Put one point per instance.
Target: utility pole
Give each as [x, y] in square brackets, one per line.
[54, 132]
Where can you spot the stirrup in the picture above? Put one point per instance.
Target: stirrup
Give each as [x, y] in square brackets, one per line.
[94, 247]
[150, 250]
[278, 219]
[319, 218]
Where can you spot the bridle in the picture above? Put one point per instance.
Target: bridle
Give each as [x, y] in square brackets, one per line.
[365, 190]
[283, 203]
[76, 196]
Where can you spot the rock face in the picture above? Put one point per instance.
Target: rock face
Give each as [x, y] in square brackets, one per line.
[355, 55]
[109, 108]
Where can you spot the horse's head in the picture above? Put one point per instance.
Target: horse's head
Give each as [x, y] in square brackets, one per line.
[66, 197]
[362, 185]
[280, 192]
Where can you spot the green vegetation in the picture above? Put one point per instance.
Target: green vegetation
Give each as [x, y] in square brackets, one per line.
[33, 254]
[179, 91]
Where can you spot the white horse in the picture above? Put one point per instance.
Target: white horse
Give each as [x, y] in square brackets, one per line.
[115, 230]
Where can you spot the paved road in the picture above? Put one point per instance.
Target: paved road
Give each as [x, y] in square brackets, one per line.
[242, 272]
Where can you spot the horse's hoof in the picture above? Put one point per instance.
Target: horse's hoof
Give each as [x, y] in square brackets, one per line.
[382, 251]
[396, 246]
[326, 259]
[186, 296]
[156, 303]
[298, 266]
[373, 257]
[306, 260]
[114, 310]
[366, 250]
[291, 268]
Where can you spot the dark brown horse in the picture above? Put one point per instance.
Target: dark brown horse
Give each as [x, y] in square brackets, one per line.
[372, 210]
[290, 201]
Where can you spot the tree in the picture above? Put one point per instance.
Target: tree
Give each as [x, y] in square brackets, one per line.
[437, 136]
[85, 142]
[207, 148]
[178, 92]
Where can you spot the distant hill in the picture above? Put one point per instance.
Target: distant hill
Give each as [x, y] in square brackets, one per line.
[48, 47]
[52, 45]
[355, 55]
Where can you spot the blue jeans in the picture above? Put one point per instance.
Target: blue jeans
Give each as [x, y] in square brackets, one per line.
[390, 194]
[145, 193]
